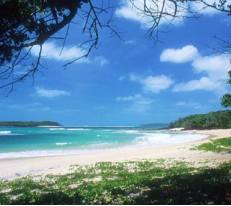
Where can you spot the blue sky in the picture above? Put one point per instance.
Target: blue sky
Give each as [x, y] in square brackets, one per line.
[128, 82]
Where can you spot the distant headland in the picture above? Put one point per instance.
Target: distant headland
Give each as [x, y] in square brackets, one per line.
[154, 126]
[28, 123]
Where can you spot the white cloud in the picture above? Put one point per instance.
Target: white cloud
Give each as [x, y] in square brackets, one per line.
[204, 83]
[181, 55]
[50, 93]
[214, 69]
[133, 10]
[51, 51]
[201, 8]
[153, 84]
[215, 66]
[157, 83]
[128, 11]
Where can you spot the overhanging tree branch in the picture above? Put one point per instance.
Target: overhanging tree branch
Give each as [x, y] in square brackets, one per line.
[33, 22]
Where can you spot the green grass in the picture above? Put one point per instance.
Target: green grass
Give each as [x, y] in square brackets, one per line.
[144, 182]
[218, 145]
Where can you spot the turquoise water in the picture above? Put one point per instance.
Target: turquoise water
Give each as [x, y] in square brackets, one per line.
[21, 139]
[26, 142]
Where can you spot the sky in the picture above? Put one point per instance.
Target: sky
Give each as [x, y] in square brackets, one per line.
[132, 81]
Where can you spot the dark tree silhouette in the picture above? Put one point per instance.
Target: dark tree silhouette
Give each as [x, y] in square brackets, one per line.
[26, 23]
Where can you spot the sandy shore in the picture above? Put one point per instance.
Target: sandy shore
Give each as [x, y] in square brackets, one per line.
[12, 168]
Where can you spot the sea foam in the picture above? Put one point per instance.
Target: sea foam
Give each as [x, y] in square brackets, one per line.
[157, 139]
[58, 129]
[72, 145]
[62, 143]
[7, 132]
[68, 129]
[77, 129]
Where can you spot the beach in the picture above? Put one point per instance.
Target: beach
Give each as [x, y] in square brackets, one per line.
[34, 166]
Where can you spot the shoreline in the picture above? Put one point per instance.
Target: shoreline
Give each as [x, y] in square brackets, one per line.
[60, 164]
[145, 140]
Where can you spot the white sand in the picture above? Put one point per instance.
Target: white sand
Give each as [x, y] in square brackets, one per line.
[12, 168]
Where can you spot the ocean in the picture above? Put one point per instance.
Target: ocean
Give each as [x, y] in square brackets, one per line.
[18, 142]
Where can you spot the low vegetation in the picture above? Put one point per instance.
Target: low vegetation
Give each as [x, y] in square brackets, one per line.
[212, 120]
[160, 182]
[28, 123]
[217, 145]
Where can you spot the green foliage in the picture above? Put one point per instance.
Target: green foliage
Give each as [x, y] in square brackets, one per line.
[226, 100]
[31, 22]
[159, 182]
[212, 120]
[218, 145]
[154, 126]
[29, 123]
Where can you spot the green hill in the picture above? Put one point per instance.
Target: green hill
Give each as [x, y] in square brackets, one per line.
[153, 126]
[212, 120]
[28, 123]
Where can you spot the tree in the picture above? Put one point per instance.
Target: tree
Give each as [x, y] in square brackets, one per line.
[24, 24]
[226, 99]
[27, 23]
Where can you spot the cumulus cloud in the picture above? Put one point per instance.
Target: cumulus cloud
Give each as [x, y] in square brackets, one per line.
[133, 11]
[204, 83]
[201, 8]
[51, 93]
[181, 55]
[157, 83]
[52, 51]
[215, 66]
[215, 70]
[128, 11]
[153, 84]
